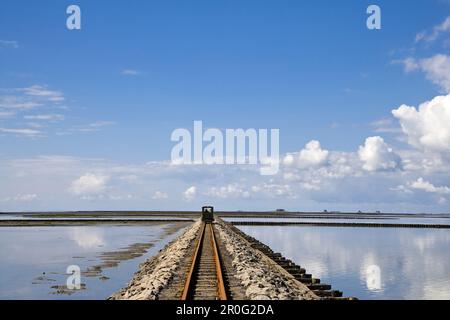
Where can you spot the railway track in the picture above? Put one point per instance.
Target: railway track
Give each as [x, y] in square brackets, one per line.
[205, 280]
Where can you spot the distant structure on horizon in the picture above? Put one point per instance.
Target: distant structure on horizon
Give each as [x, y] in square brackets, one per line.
[326, 211]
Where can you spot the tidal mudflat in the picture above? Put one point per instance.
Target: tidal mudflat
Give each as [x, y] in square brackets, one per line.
[34, 260]
[368, 263]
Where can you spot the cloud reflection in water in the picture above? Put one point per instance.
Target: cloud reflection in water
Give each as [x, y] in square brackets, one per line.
[87, 238]
[413, 263]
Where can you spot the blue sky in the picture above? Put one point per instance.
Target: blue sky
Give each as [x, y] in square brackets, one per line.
[109, 96]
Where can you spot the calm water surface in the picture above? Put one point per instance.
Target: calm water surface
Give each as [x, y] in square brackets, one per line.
[368, 263]
[105, 251]
[30, 217]
[399, 220]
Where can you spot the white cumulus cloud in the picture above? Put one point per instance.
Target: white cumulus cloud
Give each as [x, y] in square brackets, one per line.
[89, 184]
[421, 184]
[428, 127]
[312, 155]
[190, 193]
[376, 155]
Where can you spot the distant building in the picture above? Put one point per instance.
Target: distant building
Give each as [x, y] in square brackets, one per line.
[280, 210]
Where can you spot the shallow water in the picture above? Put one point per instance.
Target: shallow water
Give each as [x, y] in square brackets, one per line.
[367, 263]
[31, 217]
[29, 252]
[395, 220]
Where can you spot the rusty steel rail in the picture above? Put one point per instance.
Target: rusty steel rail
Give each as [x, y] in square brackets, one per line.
[220, 283]
[201, 271]
[195, 258]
